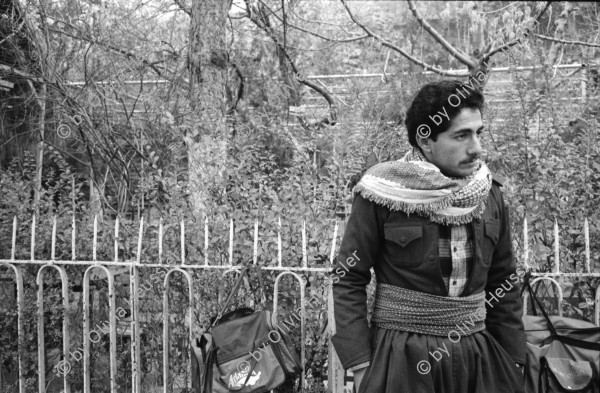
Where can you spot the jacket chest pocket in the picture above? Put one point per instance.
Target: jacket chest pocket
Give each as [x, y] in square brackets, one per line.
[403, 244]
[490, 240]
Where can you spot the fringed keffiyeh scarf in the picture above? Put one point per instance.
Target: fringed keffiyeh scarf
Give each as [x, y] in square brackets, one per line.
[414, 185]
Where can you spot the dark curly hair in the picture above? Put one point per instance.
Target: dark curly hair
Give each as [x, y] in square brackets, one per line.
[437, 100]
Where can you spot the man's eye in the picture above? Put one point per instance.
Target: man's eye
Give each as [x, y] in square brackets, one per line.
[460, 137]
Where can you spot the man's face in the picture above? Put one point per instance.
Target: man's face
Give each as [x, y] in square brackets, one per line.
[457, 151]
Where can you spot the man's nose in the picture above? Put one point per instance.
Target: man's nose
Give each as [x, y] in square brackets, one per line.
[475, 147]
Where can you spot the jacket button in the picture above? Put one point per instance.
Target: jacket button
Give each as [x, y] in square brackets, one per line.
[402, 238]
[431, 257]
[438, 289]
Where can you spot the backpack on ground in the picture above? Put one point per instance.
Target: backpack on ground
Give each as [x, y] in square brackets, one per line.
[242, 351]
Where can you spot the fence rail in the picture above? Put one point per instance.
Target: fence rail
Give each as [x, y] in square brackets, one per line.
[335, 372]
[134, 272]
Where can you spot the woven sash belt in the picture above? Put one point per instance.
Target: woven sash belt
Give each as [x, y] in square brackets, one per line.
[418, 312]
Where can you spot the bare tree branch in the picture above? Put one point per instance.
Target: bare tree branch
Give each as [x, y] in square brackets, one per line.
[463, 58]
[271, 33]
[362, 37]
[183, 7]
[312, 32]
[400, 50]
[516, 41]
[14, 32]
[108, 46]
[20, 73]
[567, 42]
[568, 77]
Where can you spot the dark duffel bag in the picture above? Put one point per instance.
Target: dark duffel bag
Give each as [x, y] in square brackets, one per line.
[563, 354]
[243, 353]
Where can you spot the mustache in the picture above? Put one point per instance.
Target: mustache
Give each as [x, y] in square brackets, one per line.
[475, 157]
[471, 160]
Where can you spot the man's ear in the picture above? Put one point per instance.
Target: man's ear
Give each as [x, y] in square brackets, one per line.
[424, 144]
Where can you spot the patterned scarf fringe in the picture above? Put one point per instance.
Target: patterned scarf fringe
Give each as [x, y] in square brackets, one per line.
[427, 210]
[386, 184]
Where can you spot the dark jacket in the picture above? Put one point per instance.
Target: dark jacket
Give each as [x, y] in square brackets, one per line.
[403, 250]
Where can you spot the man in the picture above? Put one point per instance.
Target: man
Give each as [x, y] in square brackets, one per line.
[435, 229]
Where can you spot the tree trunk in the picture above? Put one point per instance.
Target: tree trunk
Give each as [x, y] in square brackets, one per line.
[207, 140]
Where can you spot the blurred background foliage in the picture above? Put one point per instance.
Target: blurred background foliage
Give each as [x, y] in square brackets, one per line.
[100, 116]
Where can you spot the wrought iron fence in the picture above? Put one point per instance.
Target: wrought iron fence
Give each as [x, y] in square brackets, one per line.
[336, 380]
